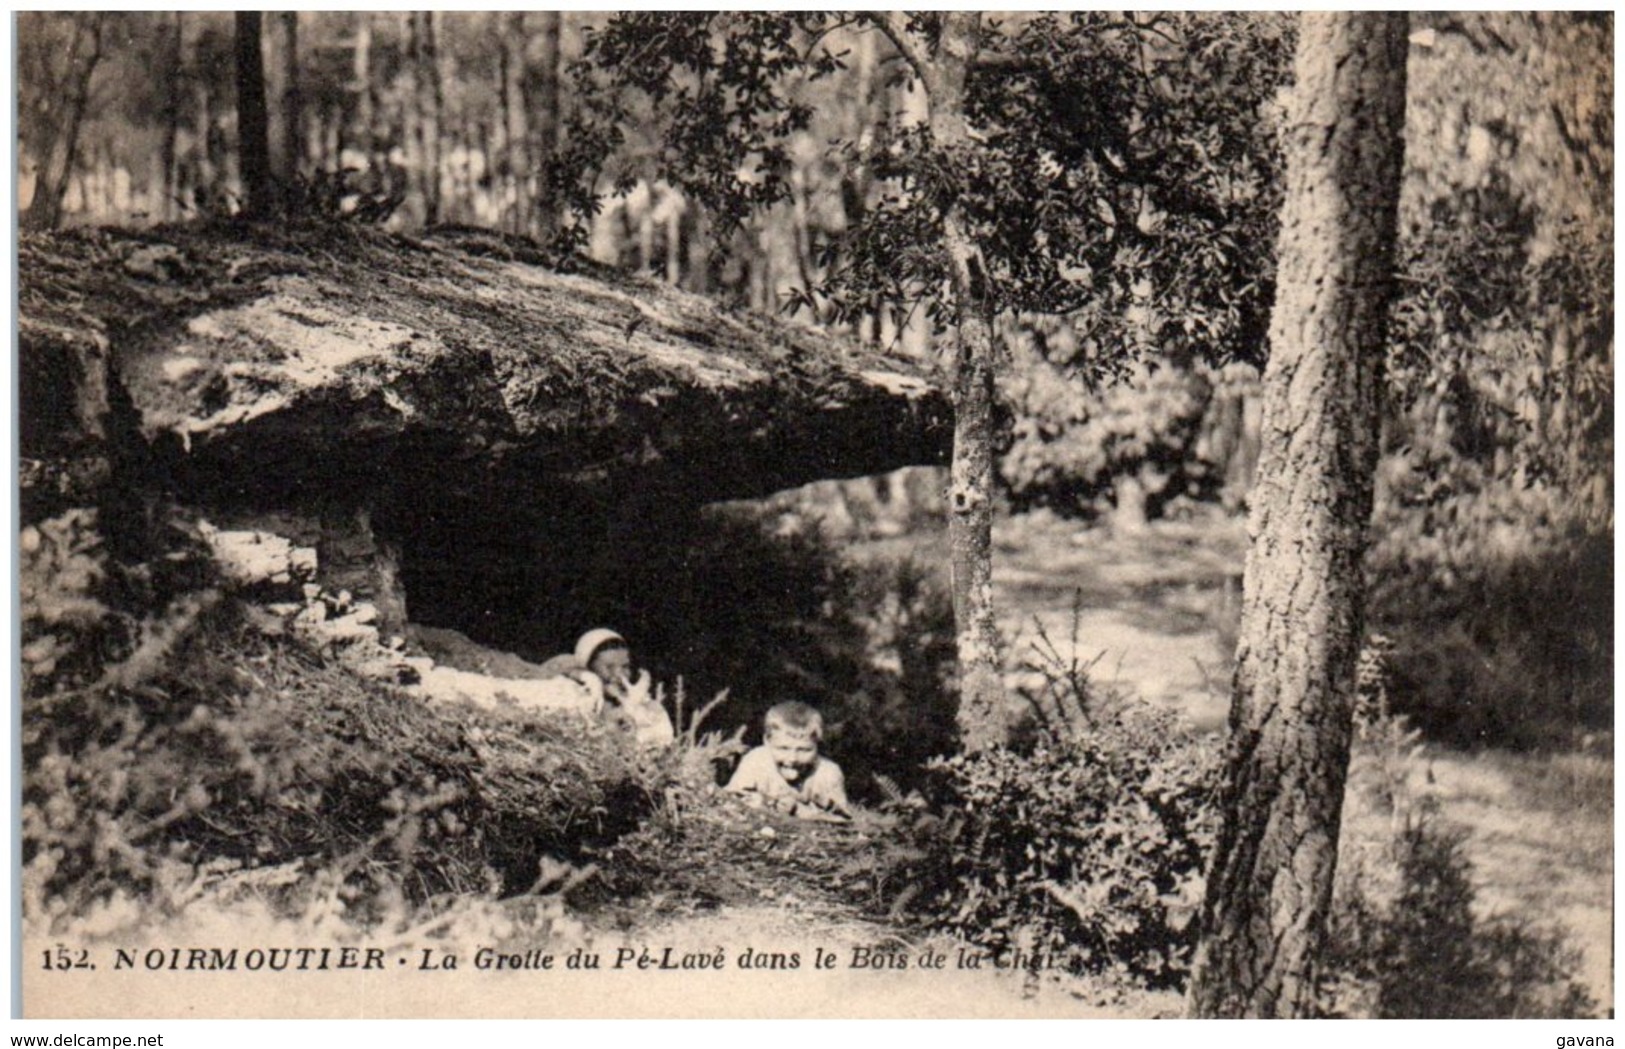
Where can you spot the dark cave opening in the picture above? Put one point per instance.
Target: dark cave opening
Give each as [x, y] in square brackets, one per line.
[711, 596]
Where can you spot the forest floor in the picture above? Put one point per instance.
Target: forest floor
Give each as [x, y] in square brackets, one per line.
[1156, 613]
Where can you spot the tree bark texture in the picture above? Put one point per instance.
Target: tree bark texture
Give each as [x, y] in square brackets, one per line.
[253, 120]
[514, 204]
[170, 117]
[427, 106]
[362, 85]
[1270, 878]
[982, 716]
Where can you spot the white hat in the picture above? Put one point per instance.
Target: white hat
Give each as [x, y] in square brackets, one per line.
[592, 641]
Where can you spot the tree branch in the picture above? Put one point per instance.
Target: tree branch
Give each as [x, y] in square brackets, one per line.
[1005, 62]
[894, 26]
[817, 38]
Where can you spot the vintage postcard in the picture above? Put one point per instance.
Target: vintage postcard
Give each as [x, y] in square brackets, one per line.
[542, 514]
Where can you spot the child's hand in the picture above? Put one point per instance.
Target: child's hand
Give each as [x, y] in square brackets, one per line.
[806, 810]
[637, 689]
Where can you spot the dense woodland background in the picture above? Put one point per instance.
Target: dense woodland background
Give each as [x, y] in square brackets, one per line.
[1498, 434]
[1128, 389]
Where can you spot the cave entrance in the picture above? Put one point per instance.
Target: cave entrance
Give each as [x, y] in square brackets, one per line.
[528, 570]
[755, 597]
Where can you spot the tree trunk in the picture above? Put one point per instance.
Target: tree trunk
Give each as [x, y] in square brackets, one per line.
[542, 113]
[1270, 879]
[983, 719]
[174, 63]
[293, 100]
[361, 84]
[515, 203]
[45, 210]
[253, 131]
[427, 105]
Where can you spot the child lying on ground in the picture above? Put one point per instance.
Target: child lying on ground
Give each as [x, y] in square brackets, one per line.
[603, 660]
[786, 772]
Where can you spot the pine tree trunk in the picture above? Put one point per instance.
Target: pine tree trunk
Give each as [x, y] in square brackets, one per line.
[427, 106]
[1270, 879]
[253, 131]
[173, 64]
[361, 84]
[541, 99]
[515, 202]
[293, 100]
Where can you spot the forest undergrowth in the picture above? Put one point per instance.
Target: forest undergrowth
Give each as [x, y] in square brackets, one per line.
[186, 774]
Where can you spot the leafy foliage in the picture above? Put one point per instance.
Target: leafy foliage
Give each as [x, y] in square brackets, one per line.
[1070, 442]
[1089, 853]
[1157, 196]
[722, 80]
[1081, 848]
[1499, 366]
[1502, 639]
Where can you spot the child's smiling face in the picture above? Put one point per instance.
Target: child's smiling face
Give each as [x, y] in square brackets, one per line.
[612, 663]
[794, 756]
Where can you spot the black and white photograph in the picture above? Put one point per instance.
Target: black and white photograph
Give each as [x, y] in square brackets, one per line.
[750, 515]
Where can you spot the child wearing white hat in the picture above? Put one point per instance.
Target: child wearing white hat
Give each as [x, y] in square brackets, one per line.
[606, 656]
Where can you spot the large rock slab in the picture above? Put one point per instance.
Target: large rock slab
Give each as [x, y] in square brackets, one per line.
[260, 362]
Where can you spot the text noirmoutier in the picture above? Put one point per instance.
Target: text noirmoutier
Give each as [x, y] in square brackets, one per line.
[625, 959]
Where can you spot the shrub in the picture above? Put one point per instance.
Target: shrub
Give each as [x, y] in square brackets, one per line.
[1502, 632]
[1404, 940]
[1424, 954]
[1080, 847]
[1088, 852]
[1078, 449]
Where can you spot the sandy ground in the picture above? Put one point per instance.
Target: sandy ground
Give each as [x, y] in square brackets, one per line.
[1153, 609]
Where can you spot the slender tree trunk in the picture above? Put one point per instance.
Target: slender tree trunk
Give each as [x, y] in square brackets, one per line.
[51, 186]
[428, 107]
[982, 711]
[646, 231]
[801, 233]
[493, 180]
[173, 66]
[542, 114]
[983, 718]
[361, 84]
[858, 178]
[293, 100]
[1270, 879]
[509, 162]
[697, 246]
[253, 131]
[673, 215]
